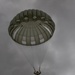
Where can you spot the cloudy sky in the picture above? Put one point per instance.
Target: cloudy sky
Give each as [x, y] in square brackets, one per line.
[60, 56]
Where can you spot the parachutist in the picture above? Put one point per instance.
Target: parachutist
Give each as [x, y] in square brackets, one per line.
[37, 72]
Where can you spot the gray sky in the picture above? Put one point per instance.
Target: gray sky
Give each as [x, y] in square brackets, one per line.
[60, 57]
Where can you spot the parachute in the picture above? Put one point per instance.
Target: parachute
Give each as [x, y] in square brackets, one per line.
[30, 28]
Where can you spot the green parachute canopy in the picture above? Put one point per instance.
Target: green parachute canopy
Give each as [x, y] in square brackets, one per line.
[31, 27]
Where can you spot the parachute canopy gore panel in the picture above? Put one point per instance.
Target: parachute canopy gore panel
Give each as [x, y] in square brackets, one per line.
[31, 27]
